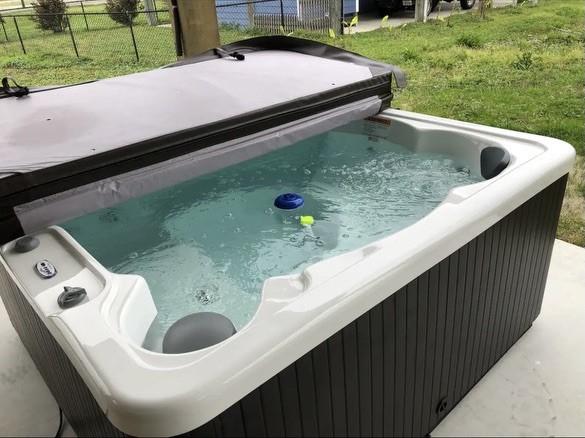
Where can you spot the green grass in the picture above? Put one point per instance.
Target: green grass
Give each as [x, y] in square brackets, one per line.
[521, 68]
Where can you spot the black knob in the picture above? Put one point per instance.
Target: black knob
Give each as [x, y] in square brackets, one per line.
[71, 296]
[26, 244]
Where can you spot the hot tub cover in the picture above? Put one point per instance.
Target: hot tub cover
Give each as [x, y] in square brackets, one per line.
[57, 139]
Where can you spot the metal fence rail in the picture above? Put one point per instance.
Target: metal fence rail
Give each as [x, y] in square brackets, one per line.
[87, 31]
[88, 34]
[276, 16]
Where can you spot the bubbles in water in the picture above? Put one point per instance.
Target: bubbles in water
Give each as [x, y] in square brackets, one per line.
[183, 240]
[207, 295]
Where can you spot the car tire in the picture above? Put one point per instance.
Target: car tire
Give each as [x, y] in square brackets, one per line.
[467, 4]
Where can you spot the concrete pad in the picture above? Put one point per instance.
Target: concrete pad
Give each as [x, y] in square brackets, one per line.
[369, 21]
[536, 389]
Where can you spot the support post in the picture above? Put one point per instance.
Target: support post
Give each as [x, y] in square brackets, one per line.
[72, 37]
[84, 16]
[131, 26]
[4, 29]
[150, 10]
[420, 10]
[282, 15]
[19, 36]
[198, 25]
[250, 13]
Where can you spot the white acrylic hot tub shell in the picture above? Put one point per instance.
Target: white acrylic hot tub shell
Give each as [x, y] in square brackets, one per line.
[147, 393]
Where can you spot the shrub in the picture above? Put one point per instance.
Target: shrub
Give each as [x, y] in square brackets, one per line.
[523, 61]
[50, 14]
[122, 11]
[410, 55]
[470, 41]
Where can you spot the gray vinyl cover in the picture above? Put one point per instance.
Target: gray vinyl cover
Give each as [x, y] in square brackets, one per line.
[70, 140]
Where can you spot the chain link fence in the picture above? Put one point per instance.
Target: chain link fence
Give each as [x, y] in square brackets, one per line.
[86, 31]
[87, 34]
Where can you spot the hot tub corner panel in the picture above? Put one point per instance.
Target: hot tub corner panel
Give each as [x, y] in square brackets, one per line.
[397, 370]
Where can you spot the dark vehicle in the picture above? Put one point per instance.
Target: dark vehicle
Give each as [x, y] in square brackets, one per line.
[388, 6]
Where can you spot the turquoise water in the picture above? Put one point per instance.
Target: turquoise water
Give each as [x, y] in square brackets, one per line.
[208, 244]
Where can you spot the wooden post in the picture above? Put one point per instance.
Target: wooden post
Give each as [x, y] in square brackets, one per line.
[250, 14]
[420, 10]
[198, 20]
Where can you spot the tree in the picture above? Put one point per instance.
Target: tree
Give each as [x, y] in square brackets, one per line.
[50, 14]
[122, 11]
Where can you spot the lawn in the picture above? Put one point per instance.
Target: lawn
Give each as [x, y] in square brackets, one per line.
[519, 68]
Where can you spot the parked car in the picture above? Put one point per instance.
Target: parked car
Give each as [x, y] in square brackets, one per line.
[389, 6]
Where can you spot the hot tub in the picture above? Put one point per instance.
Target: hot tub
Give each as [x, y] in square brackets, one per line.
[419, 257]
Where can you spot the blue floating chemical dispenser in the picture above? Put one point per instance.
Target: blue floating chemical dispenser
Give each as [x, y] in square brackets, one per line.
[289, 201]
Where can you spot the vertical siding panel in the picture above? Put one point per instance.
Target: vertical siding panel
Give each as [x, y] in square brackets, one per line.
[520, 264]
[232, 422]
[376, 332]
[428, 404]
[460, 322]
[540, 252]
[480, 327]
[411, 338]
[491, 302]
[400, 360]
[554, 196]
[389, 320]
[527, 272]
[365, 374]
[441, 310]
[352, 393]
[421, 345]
[451, 336]
[473, 328]
[287, 381]
[252, 412]
[323, 390]
[507, 231]
[517, 262]
[272, 407]
[337, 375]
[501, 235]
[484, 265]
[307, 398]
[513, 279]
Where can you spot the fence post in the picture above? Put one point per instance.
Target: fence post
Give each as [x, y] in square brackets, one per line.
[155, 10]
[18, 33]
[250, 8]
[72, 37]
[341, 19]
[149, 9]
[4, 29]
[84, 16]
[282, 15]
[420, 10]
[132, 35]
